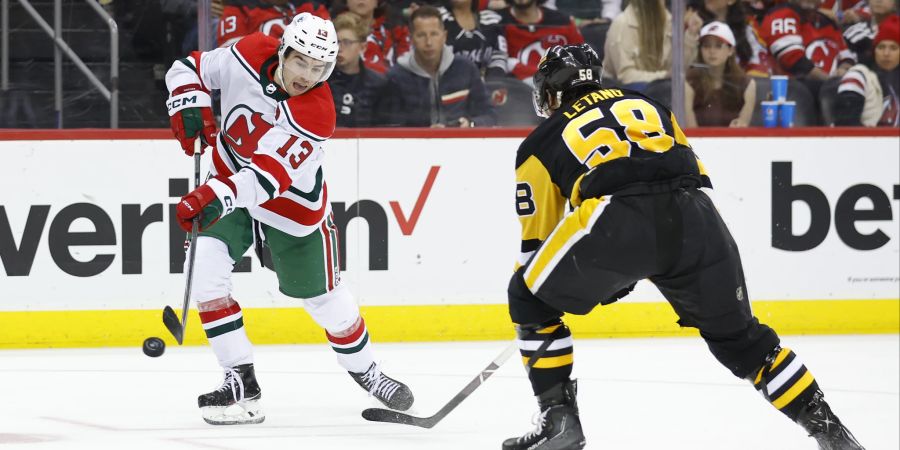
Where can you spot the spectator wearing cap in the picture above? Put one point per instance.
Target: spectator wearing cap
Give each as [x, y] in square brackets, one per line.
[750, 50]
[871, 96]
[354, 87]
[430, 86]
[638, 47]
[718, 90]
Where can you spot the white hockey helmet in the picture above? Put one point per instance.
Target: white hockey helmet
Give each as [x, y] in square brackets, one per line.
[312, 36]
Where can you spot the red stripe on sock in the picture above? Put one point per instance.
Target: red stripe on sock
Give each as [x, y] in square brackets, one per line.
[212, 316]
[348, 339]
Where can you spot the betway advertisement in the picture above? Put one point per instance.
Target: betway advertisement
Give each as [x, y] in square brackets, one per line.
[89, 224]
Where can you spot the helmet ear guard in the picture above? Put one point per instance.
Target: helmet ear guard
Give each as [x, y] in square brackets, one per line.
[564, 67]
[311, 36]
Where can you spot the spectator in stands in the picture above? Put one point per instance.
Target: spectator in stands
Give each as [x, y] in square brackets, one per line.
[718, 92]
[638, 47]
[592, 17]
[430, 86]
[531, 29]
[267, 16]
[871, 97]
[388, 36]
[859, 35]
[846, 12]
[355, 88]
[750, 50]
[476, 35]
[806, 43]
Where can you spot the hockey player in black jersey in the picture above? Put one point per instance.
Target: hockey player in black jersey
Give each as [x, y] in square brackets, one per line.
[620, 161]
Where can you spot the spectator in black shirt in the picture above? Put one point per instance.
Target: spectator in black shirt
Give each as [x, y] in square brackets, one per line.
[477, 35]
[354, 87]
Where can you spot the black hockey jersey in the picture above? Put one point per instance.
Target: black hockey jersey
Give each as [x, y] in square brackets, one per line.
[609, 141]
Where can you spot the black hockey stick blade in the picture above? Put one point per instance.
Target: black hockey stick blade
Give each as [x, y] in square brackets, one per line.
[173, 324]
[391, 416]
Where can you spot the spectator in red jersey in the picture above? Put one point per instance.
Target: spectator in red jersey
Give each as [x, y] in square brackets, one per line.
[718, 92]
[388, 38]
[531, 29]
[859, 35]
[638, 47]
[871, 97]
[750, 50]
[242, 17]
[806, 43]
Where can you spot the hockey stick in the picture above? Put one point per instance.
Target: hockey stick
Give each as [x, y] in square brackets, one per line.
[175, 326]
[390, 416]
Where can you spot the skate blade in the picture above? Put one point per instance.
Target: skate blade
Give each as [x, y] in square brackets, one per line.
[243, 413]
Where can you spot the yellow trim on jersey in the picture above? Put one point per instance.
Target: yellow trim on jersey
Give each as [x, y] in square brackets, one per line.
[795, 390]
[575, 198]
[549, 204]
[569, 231]
[551, 362]
[680, 138]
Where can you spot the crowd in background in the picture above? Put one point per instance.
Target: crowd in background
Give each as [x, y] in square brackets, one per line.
[468, 63]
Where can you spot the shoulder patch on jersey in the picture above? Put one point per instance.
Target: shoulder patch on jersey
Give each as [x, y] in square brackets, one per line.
[312, 114]
[254, 49]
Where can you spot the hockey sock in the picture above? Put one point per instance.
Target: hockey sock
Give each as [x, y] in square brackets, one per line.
[785, 382]
[554, 364]
[354, 351]
[223, 323]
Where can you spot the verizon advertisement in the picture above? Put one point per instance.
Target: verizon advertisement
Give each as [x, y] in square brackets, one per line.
[89, 224]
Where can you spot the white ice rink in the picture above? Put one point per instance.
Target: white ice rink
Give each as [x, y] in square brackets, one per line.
[634, 394]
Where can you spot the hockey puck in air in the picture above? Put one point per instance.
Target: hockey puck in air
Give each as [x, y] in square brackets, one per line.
[154, 346]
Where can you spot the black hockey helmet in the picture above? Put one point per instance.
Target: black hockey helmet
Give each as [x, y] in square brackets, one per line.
[564, 67]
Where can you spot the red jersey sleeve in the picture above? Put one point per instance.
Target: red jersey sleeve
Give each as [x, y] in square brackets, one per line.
[782, 34]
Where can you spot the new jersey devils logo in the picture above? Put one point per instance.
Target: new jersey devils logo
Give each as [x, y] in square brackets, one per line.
[823, 53]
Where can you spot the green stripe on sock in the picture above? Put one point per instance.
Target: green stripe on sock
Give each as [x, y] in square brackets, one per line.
[224, 328]
[347, 351]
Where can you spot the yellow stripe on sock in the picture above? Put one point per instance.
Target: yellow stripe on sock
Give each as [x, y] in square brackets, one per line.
[781, 356]
[549, 329]
[759, 376]
[552, 362]
[795, 390]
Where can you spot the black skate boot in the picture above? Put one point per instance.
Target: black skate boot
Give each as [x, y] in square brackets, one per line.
[558, 425]
[392, 393]
[236, 401]
[818, 420]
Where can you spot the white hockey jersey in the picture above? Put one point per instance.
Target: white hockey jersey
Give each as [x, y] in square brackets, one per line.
[269, 144]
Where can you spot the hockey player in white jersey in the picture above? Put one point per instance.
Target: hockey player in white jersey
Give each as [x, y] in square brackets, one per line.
[267, 181]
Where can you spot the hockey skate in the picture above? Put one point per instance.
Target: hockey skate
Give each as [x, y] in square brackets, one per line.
[558, 425]
[392, 393]
[818, 420]
[236, 401]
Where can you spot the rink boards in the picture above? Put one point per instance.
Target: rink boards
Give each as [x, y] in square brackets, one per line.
[429, 236]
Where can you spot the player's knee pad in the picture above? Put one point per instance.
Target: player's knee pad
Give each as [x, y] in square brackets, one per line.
[212, 270]
[742, 352]
[785, 381]
[335, 311]
[524, 306]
